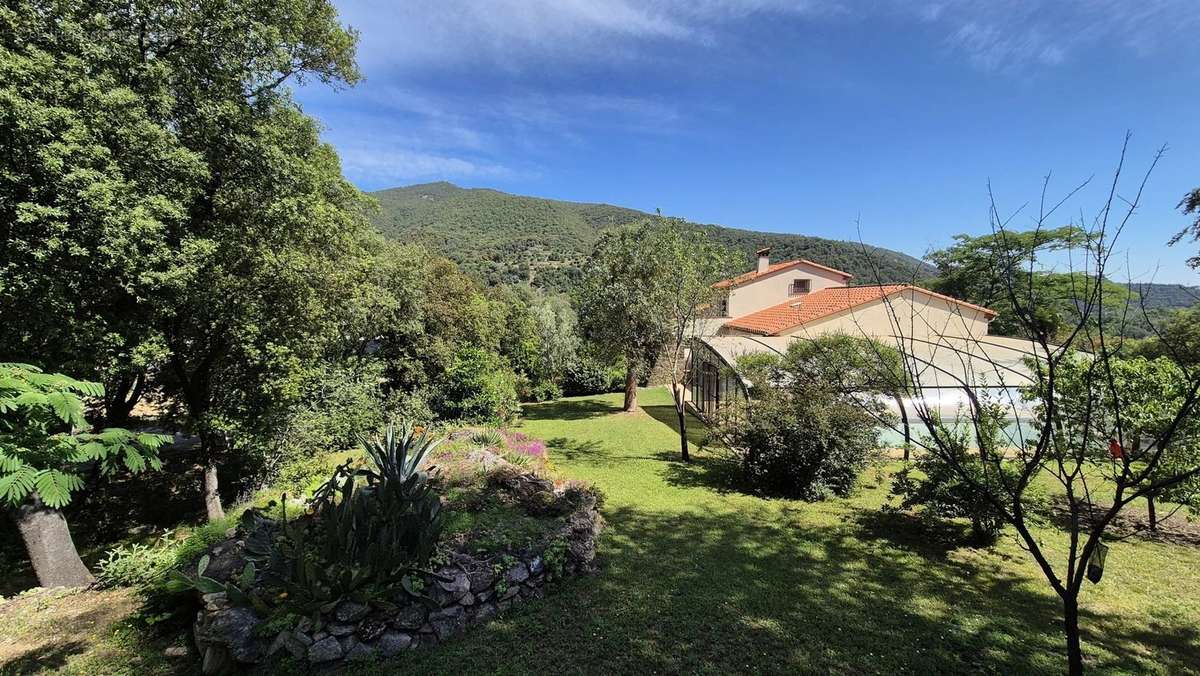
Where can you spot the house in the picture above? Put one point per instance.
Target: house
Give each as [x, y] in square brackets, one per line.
[945, 339]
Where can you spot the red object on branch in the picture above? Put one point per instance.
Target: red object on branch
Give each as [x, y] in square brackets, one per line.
[1115, 450]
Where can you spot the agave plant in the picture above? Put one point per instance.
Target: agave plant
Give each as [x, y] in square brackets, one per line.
[397, 454]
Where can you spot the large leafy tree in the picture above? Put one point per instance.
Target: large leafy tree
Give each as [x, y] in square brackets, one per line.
[1004, 271]
[90, 182]
[218, 239]
[624, 299]
[45, 447]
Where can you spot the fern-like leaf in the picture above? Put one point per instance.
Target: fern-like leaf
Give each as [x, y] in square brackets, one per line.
[55, 487]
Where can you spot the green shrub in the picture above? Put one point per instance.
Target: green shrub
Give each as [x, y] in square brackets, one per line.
[478, 387]
[805, 448]
[589, 375]
[336, 402]
[146, 567]
[546, 391]
[948, 486]
[810, 426]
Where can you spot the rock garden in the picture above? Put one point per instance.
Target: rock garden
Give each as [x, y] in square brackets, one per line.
[399, 550]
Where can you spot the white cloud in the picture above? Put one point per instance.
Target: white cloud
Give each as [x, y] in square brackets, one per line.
[378, 166]
[516, 35]
[1021, 34]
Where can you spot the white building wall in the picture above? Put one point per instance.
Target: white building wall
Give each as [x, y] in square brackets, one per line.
[774, 289]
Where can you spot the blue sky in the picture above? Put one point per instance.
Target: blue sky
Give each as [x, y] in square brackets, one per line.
[785, 115]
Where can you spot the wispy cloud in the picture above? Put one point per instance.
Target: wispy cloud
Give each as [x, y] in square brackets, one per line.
[518, 34]
[373, 166]
[1018, 35]
[544, 34]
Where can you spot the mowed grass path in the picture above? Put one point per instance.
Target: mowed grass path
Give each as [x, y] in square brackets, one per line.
[696, 579]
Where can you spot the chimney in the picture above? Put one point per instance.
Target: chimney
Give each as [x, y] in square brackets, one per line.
[764, 259]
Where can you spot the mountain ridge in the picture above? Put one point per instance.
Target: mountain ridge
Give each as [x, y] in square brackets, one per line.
[506, 238]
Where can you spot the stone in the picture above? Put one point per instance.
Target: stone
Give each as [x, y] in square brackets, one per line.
[504, 605]
[340, 629]
[457, 584]
[326, 650]
[361, 652]
[176, 651]
[216, 661]
[536, 566]
[303, 638]
[287, 640]
[447, 621]
[393, 643]
[410, 617]
[216, 601]
[485, 611]
[482, 580]
[467, 599]
[371, 629]
[351, 611]
[485, 595]
[512, 591]
[226, 560]
[233, 628]
[305, 624]
[517, 574]
[348, 642]
[320, 635]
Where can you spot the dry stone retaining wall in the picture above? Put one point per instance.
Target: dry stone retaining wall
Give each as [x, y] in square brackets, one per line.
[467, 591]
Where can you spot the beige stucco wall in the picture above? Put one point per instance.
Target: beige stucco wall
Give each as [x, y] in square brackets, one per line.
[911, 313]
[773, 289]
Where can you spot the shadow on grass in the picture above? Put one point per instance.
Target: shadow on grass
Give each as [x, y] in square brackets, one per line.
[568, 409]
[44, 659]
[931, 539]
[742, 593]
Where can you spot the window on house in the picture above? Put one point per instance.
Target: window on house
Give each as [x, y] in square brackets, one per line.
[799, 287]
[723, 307]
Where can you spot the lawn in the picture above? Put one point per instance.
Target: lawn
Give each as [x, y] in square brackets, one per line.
[699, 579]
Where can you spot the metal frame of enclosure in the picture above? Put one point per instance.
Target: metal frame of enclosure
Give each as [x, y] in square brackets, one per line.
[714, 384]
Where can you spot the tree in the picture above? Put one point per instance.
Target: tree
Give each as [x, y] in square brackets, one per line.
[43, 454]
[1064, 445]
[693, 263]
[978, 269]
[624, 300]
[1147, 393]
[216, 229]
[1190, 205]
[90, 179]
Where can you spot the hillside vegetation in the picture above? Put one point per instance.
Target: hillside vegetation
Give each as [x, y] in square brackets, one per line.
[509, 238]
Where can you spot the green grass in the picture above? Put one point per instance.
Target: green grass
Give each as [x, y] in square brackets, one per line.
[699, 579]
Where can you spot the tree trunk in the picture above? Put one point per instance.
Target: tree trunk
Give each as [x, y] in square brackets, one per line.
[1152, 513]
[48, 541]
[1071, 628]
[212, 497]
[630, 389]
[681, 411]
[907, 429]
[121, 397]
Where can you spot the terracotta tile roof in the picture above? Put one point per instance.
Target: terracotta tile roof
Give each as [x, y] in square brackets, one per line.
[777, 267]
[823, 303]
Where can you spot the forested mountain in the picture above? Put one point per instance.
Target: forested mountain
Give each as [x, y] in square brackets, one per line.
[1157, 296]
[510, 238]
